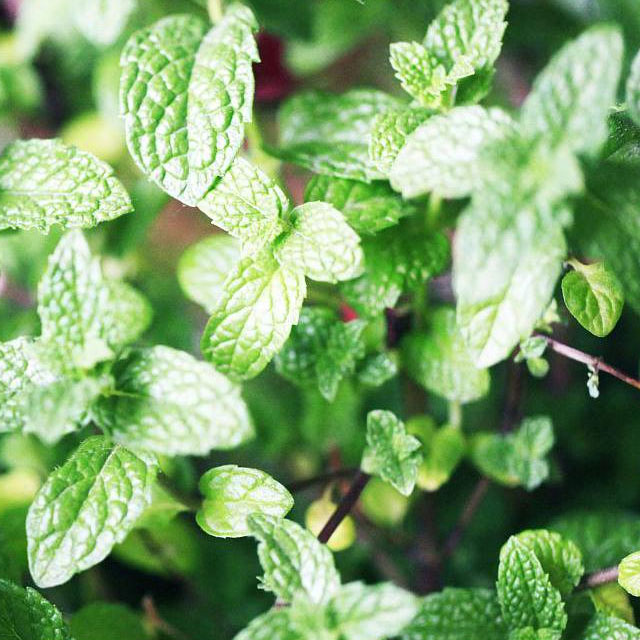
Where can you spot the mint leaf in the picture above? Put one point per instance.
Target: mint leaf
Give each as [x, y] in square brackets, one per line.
[506, 264]
[377, 369]
[633, 90]
[276, 624]
[391, 453]
[321, 243]
[330, 134]
[204, 266]
[247, 204]
[84, 508]
[367, 207]
[440, 361]
[186, 95]
[629, 573]
[458, 614]
[442, 451]
[293, 560]
[107, 621]
[101, 21]
[604, 627]
[260, 303]
[126, 316]
[168, 402]
[594, 296]
[363, 612]
[443, 155]
[571, 97]
[45, 182]
[525, 592]
[233, 493]
[612, 600]
[26, 615]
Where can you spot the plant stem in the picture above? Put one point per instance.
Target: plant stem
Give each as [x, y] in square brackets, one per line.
[589, 360]
[323, 478]
[597, 578]
[215, 10]
[345, 505]
[455, 414]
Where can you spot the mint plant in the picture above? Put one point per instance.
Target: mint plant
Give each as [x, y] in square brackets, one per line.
[363, 369]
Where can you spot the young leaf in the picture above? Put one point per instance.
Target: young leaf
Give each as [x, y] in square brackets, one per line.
[594, 296]
[260, 303]
[443, 155]
[186, 95]
[629, 573]
[204, 266]
[440, 361]
[45, 182]
[293, 560]
[526, 595]
[604, 627]
[126, 316]
[275, 624]
[330, 134]
[571, 97]
[443, 451]
[633, 90]
[377, 369]
[107, 621]
[247, 204]
[458, 614]
[233, 493]
[168, 402]
[612, 599]
[363, 612]
[391, 453]
[84, 508]
[321, 243]
[26, 615]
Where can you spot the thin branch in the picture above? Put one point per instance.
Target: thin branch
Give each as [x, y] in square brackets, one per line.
[158, 622]
[344, 507]
[323, 478]
[589, 360]
[597, 578]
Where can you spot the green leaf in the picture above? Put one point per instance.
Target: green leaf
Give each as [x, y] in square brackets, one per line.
[439, 361]
[367, 207]
[377, 369]
[107, 621]
[168, 402]
[443, 451]
[247, 204]
[204, 266]
[26, 615]
[604, 627]
[126, 316]
[321, 243]
[391, 453]
[45, 182]
[84, 508]
[363, 612]
[458, 614]
[506, 264]
[444, 154]
[571, 97]
[525, 592]
[518, 458]
[612, 599]
[293, 560]
[629, 573]
[260, 303]
[330, 134]
[276, 624]
[186, 95]
[594, 296]
[633, 90]
[233, 493]
[101, 21]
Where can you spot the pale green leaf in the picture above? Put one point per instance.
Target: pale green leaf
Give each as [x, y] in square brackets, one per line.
[633, 90]
[102, 21]
[604, 627]
[439, 361]
[421, 73]
[443, 451]
[276, 624]
[293, 560]
[26, 615]
[168, 402]
[260, 303]
[390, 452]
[321, 244]
[45, 182]
[186, 95]
[232, 494]
[107, 621]
[84, 508]
[444, 154]
[594, 296]
[570, 99]
[204, 266]
[612, 599]
[126, 316]
[629, 573]
[377, 369]
[458, 614]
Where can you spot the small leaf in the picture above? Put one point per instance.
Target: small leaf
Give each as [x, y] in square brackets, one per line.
[390, 453]
[443, 451]
[260, 303]
[377, 369]
[321, 243]
[594, 296]
[186, 95]
[633, 90]
[629, 573]
[107, 621]
[293, 560]
[84, 508]
[101, 21]
[45, 182]
[233, 493]
[168, 402]
[604, 627]
[276, 624]
[612, 599]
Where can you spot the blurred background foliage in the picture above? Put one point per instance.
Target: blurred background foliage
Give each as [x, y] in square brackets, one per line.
[58, 78]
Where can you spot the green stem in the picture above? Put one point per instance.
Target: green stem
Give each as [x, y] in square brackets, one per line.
[455, 414]
[215, 10]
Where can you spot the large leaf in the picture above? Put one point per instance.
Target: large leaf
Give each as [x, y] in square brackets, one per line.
[633, 90]
[604, 627]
